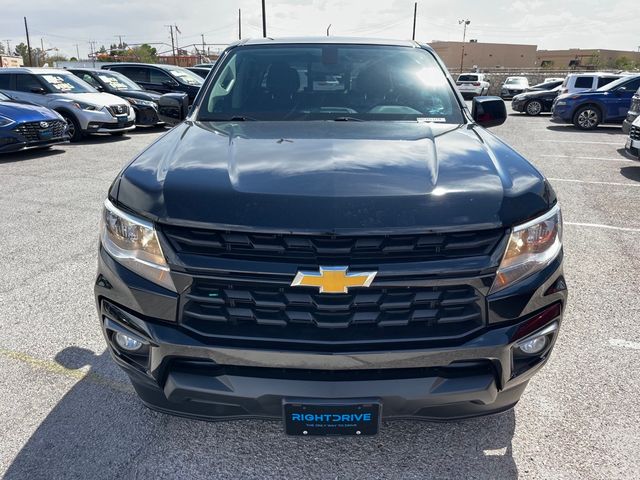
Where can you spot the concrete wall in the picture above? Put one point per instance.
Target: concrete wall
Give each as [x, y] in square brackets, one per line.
[596, 58]
[486, 55]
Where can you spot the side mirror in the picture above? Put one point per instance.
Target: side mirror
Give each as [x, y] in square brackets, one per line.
[38, 90]
[99, 88]
[173, 108]
[488, 111]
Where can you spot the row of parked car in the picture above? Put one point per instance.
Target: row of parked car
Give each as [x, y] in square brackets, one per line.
[42, 107]
[585, 100]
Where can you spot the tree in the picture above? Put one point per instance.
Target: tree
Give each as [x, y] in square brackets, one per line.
[624, 63]
[22, 50]
[144, 53]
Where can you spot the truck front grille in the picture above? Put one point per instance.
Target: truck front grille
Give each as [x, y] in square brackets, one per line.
[323, 249]
[634, 133]
[301, 315]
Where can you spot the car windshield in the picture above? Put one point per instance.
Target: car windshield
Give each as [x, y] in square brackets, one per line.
[614, 84]
[3, 97]
[66, 83]
[117, 81]
[468, 78]
[515, 80]
[186, 76]
[331, 82]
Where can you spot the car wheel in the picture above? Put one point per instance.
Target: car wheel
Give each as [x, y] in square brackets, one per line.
[587, 118]
[533, 108]
[73, 127]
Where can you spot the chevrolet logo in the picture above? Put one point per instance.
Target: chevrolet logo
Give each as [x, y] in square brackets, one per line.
[333, 279]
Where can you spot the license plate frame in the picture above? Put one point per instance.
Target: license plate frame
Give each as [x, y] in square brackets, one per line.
[306, 417]
[45, 134]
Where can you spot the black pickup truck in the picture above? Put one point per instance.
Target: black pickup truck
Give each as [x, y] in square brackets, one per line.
[330, 238]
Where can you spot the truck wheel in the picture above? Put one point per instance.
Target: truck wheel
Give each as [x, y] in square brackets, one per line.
[73, 127]
[533, 108]
[587, 118]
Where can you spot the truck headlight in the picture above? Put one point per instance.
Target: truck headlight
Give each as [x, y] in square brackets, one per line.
[532, 246]
[133, 242]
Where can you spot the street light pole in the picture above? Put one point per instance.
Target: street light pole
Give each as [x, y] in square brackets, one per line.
[264, 21]
[464, 37]
[328, 28]
[415, 14]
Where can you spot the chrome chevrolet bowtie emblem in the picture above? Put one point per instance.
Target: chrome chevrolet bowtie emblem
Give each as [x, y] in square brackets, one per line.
[44, 124]
[333, 279]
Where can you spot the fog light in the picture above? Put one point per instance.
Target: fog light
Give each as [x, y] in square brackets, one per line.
[533, 346]
[127, 343]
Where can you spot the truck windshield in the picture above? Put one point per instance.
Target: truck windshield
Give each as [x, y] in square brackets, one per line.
[330, 82]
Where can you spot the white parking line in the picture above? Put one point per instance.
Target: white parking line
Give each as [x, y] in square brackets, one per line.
[594, 182]
[589, 158]
[619, 144]
[599, 225]
[616, 342]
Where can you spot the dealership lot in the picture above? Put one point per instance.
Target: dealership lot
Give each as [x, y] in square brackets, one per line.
[68, 412]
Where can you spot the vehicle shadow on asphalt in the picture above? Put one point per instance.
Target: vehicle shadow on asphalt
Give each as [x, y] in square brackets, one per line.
[605, 130]
[31, 154]
[100, 430]
[632, 173]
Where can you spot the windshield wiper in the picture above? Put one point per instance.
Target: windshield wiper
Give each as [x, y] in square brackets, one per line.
[347, 119]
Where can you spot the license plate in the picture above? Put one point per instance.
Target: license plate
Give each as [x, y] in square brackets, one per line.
[309, 417]
[122, 121]
[45, 134]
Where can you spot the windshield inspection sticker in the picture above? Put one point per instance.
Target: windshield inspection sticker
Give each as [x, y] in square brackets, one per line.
[431, 119]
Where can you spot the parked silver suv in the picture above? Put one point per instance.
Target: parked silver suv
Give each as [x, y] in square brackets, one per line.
[84, 108]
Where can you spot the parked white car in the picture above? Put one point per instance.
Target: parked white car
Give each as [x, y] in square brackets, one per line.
[582, 82]
[84, 108]
[633, 141]
[473, 84]
[513, 86]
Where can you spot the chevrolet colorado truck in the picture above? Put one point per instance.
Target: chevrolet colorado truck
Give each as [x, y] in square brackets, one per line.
[330, 238]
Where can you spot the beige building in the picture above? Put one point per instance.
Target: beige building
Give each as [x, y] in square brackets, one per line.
[486, 55]
[588, 58]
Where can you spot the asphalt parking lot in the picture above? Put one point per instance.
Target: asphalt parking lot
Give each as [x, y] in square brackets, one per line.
[67, 412]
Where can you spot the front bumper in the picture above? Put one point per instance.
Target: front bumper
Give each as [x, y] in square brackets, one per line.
[185, 374]
[16, 144]
[518, 105]
[101, 121]
[626, 124]
[146, 116]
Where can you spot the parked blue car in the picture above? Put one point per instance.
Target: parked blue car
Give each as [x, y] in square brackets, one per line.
[587, 110]
[23, 126]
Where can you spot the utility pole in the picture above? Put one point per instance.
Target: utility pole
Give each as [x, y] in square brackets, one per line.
[26, 29]
[173, 46]
[264, 21]
[93, 56]
[464, 37]
[8, 47]
[77, 52]
[239, 24]
[41, 52]
[415, 14]
[203, 57]
[328, 28]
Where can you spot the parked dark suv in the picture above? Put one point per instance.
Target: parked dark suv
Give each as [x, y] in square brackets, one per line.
[633, 113]
[144, 102]
[331, 237]
[160, 78]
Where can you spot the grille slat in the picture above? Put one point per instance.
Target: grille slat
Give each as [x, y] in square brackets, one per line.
[634, 133]
[319, 249]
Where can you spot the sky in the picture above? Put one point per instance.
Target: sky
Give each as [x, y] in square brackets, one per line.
[550, 24]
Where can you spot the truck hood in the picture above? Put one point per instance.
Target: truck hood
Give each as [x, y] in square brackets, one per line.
[26, 112]
[332, 176]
